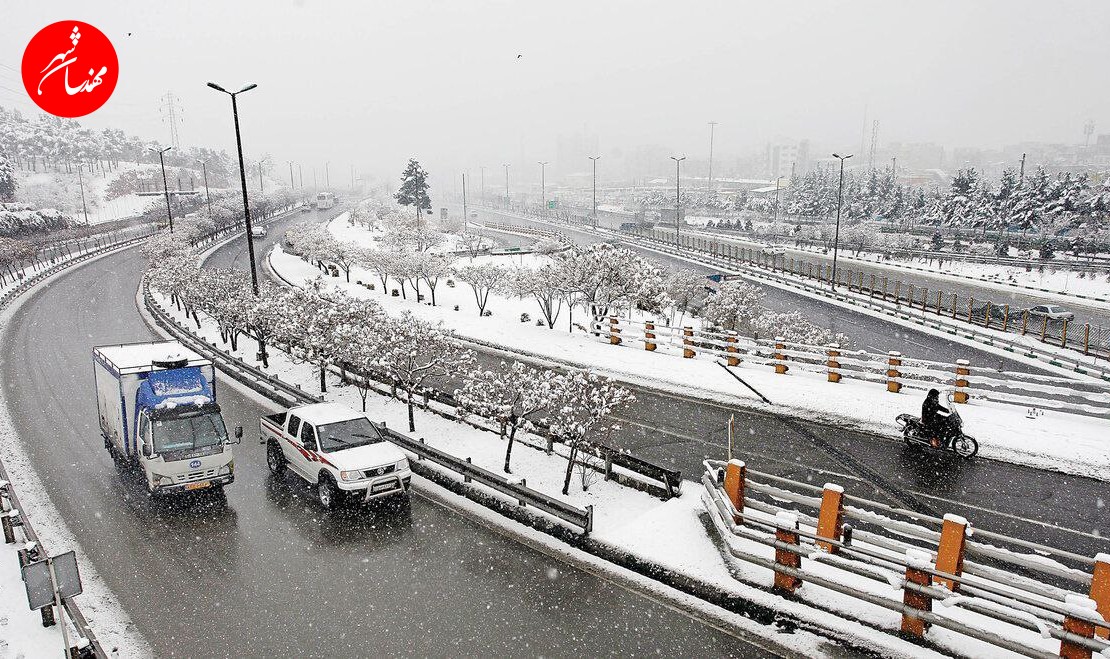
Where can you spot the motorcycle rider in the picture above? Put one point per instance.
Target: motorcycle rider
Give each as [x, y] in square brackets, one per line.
[936, 418]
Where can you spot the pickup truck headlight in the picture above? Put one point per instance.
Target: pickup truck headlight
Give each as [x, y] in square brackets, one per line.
[403, 465]
[350, 475]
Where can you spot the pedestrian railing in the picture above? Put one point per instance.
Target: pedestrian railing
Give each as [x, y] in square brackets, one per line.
[931, 572]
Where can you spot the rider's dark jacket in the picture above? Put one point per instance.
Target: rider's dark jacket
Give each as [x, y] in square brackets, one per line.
[931, 414]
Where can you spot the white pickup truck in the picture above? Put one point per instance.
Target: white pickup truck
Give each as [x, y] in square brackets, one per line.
[338, 450]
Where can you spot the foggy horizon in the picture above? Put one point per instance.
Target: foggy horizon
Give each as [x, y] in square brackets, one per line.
[462, 86]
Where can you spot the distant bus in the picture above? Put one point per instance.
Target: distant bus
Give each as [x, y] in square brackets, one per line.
[325, 200]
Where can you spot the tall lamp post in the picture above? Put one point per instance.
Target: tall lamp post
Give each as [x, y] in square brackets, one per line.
[81, 185]
[778, 186]
[594, 159]
[839, 198]
[207, 197]
[243, 181]
[165, 186]
[543, 186]
[506, 184]
[291, 186]
[677, 196]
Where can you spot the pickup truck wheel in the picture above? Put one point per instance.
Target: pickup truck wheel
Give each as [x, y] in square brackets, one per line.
[328, 494]
[275, 459]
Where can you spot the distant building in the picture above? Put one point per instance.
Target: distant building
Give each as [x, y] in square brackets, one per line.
[786, 158]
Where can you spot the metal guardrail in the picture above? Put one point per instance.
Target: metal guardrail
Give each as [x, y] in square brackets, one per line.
[904, 551]
[273, 387]
[583, 518]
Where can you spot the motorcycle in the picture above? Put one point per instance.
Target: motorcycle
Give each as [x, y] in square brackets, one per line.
[915, 434]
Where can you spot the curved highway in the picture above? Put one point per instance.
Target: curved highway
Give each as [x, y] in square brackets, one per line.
[262, 570]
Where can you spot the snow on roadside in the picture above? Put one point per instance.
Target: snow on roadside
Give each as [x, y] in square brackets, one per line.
[110, 623]
[1064, 442]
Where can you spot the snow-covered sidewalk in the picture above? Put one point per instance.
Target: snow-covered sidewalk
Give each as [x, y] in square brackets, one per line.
[1065, 442]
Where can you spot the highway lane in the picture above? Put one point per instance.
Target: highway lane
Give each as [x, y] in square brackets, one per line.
[264, 571]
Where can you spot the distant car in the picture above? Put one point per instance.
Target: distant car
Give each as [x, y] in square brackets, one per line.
[773, 250]
[473, 215]
[1052, 312]
[258, 232]
[306, 209]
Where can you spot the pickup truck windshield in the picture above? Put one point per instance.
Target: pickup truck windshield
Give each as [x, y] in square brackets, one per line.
[347, 434]
[188, 433]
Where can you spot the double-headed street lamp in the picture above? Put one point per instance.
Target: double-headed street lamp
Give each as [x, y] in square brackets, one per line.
[595, 159]
[165, 186]
[242, 177]
[677, 196]
[839, 198]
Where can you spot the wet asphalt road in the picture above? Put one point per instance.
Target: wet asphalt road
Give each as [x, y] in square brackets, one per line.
[1062, 511]
[262, 570]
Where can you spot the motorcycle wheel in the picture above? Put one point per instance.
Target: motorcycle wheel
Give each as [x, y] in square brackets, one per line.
[965, 446]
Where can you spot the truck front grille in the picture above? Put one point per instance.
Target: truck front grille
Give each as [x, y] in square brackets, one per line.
[379, 471]
[195, 476]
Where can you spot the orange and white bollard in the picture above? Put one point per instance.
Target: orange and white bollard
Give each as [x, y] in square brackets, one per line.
[732, 350]
[893, 361]
[830, 521]
[1100, 590]
[963, 370]
[1079, 620]
[833, 362]
[786, 531]
[736, 473]
[917, 562]
[779, 357]
[950, 552]
[614, 331]
[649, 335]
[688, 342]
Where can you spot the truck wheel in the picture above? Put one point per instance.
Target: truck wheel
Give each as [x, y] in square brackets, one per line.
[275, 459]
[327, 492]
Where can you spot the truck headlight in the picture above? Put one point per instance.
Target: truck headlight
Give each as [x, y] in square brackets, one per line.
[403, 465]
[159, 479]
[227, 469]
[350, 475]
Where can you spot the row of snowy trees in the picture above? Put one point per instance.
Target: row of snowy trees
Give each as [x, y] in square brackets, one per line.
[1039, 203]
[738, 307]
[328, 329]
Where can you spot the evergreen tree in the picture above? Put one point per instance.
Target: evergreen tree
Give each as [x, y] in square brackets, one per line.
[414, 188]
[7, 179]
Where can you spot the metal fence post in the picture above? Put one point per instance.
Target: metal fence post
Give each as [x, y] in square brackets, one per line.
[1100, 589]
[970, 307]
[780, 359]
[649, 335]
[987, 320]
[614, 331]
[955, 297]
[735, 476]
[917, 562]
[950, 552]
[732, 350]
[688, 342]
[830, 520]
[786, 531]
[1087, 339]
[1064, 335]
[1079, 624]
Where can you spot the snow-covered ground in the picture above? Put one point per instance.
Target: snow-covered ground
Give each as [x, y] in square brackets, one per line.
[1054, 440]
[671, 533]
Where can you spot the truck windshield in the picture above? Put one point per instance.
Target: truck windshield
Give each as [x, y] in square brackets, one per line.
[200, 431]
[347, 434]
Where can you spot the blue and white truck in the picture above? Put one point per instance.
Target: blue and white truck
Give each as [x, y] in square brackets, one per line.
[158, 414]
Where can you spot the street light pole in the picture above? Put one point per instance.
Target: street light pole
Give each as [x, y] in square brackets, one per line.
[778, 186]
[543, 187]
[261, 188]
[243, 181]
[207, 197]
[165, 186]
[327, 175]
[594, 159]
[483, 169]
[712, 125]
[464, 201]
[839, 198]
[506, 185]
[81, 184]
[677, 196]
[291, 186]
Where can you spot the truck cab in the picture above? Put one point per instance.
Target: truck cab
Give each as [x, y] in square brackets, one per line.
[336, 449]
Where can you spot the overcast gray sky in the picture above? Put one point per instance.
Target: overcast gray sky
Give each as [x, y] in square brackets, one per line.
[373, 83]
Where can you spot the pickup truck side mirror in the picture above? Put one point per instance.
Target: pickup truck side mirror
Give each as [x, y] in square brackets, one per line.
[238, 434]
[145, 450]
